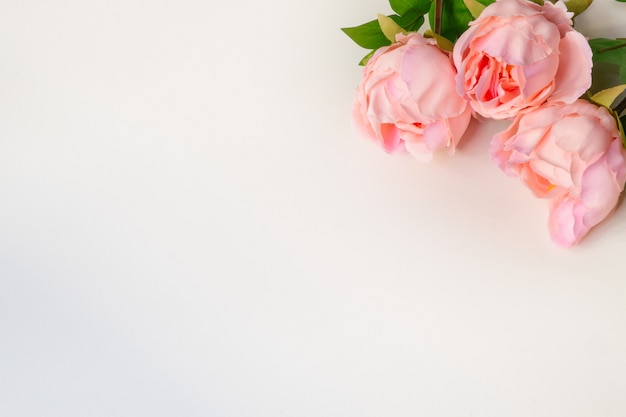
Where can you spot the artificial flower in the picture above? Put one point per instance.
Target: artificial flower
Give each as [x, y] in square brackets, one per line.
[407, 99]
[517, 55]
[570, 154]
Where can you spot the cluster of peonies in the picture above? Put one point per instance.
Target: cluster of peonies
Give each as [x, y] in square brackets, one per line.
[518, 60]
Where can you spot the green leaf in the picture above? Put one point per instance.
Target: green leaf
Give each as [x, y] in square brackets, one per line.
[389, 27]
[403, 6]
[577, 6]
[455, 19]
[475, 7]
[607, 97]
[486, 2]
[368, 35]
[442, 42]
[610, 51]
[366, 58]
[411, 21]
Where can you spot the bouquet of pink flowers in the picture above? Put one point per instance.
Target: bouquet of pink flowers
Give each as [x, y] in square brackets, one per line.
[517, 60]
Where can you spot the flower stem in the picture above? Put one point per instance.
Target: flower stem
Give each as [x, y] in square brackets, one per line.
[438, 16]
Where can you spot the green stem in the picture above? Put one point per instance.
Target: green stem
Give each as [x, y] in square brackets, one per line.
[438, 16]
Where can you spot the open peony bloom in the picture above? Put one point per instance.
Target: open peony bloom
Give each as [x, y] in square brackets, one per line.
[407, 99]
[571, 155]
[518, 55]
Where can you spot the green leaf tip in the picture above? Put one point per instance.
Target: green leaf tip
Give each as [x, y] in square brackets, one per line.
[607, 97]
[577, 6]
[442, 42]
[368, 35]
[363, 62]
[389, 27]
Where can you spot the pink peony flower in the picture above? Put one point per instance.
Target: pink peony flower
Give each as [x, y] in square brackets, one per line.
[571, 155]
[518, 55]
[407, 99]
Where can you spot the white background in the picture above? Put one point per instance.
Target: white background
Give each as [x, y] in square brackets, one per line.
[188, 227]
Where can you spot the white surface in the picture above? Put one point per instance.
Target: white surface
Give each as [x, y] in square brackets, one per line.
[189, 228]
